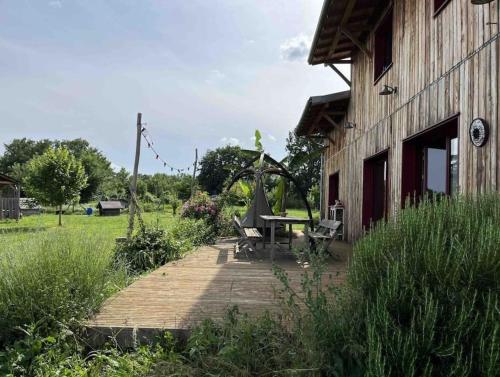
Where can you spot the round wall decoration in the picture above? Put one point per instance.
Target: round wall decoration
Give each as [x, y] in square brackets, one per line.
[479, 132]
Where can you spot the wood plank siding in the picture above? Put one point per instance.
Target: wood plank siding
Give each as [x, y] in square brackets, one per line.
[443, 65]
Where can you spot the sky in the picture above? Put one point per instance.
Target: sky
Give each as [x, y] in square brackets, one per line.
[204, 73]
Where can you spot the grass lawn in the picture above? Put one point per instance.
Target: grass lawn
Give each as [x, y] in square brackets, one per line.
[108, 227]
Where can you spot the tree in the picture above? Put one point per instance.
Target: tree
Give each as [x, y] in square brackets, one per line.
[182, 186]
[97, 166]
[304, 160]
[217, 166]
[115, 186]
[55, 178]
[20, 151]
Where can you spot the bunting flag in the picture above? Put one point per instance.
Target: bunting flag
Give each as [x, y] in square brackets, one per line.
[149, 141]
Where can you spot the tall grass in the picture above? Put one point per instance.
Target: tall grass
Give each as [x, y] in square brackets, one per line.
[427, 285]
[53, 278]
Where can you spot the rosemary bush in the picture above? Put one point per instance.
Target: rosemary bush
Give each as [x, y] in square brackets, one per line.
[427, 286]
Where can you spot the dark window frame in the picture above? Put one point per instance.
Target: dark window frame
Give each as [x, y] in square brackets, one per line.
[380, 51]
[439, 7]
[413, 185]
[367, 207]
[335, 177]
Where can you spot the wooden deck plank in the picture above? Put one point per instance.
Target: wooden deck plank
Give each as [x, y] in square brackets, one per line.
[204, 284]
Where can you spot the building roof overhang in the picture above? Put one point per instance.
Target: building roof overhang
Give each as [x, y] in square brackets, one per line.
[343, 27]
[322, 113]
[6, 180]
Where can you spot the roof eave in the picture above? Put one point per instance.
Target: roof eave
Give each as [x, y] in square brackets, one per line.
[328, 99]
[319, 25]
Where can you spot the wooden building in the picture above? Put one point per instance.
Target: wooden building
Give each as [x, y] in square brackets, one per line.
[109, 208]
[422, 111]
[10, 191]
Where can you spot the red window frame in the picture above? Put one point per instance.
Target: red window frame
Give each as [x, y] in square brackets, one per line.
[369, 189]
[383, 46]
[333, 188]
[414, 174]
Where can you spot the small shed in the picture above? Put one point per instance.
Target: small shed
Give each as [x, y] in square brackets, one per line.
[109, 208]
[10, 191]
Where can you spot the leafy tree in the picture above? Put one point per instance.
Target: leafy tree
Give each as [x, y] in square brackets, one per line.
[304, 160]
[55, 178]
[97, 166]
[20, 151]
[116, 185]
[217, 166]
[182, 186]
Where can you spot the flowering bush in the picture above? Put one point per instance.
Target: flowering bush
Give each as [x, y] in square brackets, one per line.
[200, 206]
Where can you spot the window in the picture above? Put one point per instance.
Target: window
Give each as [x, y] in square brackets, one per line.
[333, 189]
[383, 47]
[430, 162]
[439, 5]
[375, 188]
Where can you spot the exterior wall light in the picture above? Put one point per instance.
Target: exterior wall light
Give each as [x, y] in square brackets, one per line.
[388, 90]
[349, 125]
[481, 2]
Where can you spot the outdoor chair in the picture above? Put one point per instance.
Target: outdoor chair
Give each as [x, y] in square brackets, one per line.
[324, 234]
[248, 236]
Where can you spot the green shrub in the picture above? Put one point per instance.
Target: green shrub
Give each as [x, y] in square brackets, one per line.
[225, 227]
[427, 286]
[53, 278]
[152, 247]
[197, 232]
[63, 354]
[237, 346]
[149, 249]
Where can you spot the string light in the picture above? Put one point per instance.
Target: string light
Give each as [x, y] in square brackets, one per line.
[149, 141]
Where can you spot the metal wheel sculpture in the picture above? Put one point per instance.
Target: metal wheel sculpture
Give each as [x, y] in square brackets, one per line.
[266, 165]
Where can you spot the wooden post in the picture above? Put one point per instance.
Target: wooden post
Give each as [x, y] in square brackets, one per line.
[18, 202]
[194, 171]
[133, 184]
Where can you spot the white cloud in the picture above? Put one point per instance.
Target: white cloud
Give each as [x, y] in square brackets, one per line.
[230, 141]
[214, 76]
[271, 137]
[55, 4]
[295, 48]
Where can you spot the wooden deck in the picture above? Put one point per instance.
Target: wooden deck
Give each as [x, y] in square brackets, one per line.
[204, 284]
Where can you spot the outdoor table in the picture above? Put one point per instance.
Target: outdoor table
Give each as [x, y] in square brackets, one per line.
[273, 220]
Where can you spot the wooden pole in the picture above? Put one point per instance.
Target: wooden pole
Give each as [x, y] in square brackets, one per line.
[133, 183]
[194, 171]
